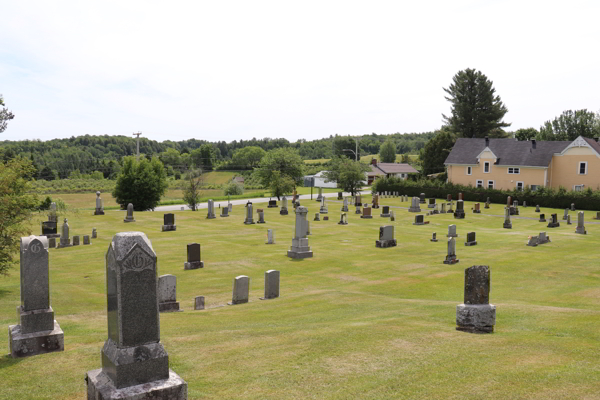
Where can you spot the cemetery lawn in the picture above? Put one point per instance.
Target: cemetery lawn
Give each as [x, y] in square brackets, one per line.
[353, 322]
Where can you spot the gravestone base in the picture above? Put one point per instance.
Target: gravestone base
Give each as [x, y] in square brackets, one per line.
[272, 206]
[581, 231]
[99, 386]
[553, 225]
[64, 243]
[344, 209]
[193, 265]
[421, 223]
[475, 318]
[300, 249]
[507, 225]
[211, 216]
[459, 214]
[52, 235]
[473, 243]
[543, 241]
[283, 212]
[169, 228]
[31, 344]
[542, 219]
[261, 222]
[323, 210]
[99, 212]
[375, 206]
[386, 243]
[430, 205]
[433, 240]
[342, 223]
[129, 219]
[171, 306]
[249, 222]
[36, 320]
[224, 215]
[451, 260]
[385, 215]
[366, 216]
[477, 211]
[414, 209]
[533, 242]
[486, 205]
[435, 212]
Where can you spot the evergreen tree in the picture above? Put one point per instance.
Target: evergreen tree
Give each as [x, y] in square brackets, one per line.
[436, 151]
[476, 110]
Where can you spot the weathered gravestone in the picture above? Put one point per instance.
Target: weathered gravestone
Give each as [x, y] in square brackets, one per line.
[37, 331]
[448, 197]
[565, 214]
[420, 220]
[325, 218]
[471, 240]
[541, 239]
[476, 315]
[345, 206]
[358, 210]
[249, 220]
[553, 221]
[317, 217]
[477, 208]
[358, 200]
[436, 210]
[542, 218]
[224, 212]
[460, 196]
[343, 219]
[385, 211]
[516, 207]
[230, 207]
[99, 206]
[451, 256]
[524, 204]
[487, 203]
[323, 209]
[415, 205]
[597, 215]
[537, 208]
[86, 240]
[169, 222]
[270, 236]
[422, 198]
[94, 233]
[340, 196]
[460, 210]
[261, 216]
[572, 206]
[375, 201]
[271, 284]
[76, 240]
[386, 237]
[241, 290]
[65, 241]
[431, 203]
[52, 215]
[366, 213]
[443, 208]
[193, 257]
[52, 243]
[392, 216]
[507, 222]
[450, 207]
[211, 210]
[199, 303]
[135, 364]
[167, 293]
[284, 206]
[452, 231]
[300, 248]
[129, 216]
[272, 203]
[568, 220]
[434, 237]
[580, 227]
[320, 196]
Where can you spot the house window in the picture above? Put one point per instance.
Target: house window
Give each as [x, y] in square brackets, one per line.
[578, 188]
[468, 170]
[534, 187]
[486, 167]
[479, 183]
[490, 184]
[520, 185]
[582, 168]
[512, 170]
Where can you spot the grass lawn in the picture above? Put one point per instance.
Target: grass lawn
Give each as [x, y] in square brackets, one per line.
[353, 322]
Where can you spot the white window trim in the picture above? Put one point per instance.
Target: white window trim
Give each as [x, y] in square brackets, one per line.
[489, 167]
[579, 167]
[478, 182]
[537, 187]
[469, 170]
[522, 185]
[493, 184]
[513, 168]
[576, 186]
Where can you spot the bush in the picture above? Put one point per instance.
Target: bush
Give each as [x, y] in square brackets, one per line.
[141, 183]
[544, 197]
[233, 189]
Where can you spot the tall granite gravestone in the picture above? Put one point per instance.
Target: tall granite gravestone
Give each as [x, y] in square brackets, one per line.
[385, 211]
[451, 256]
[537, 208]
[487, 203]
[320, 196]
[443, 208]
[524, 204]
[471, 241]
[169, 222]
[375, 200]
[317, 217]
[193, 257]
[249, 220]
[542, 218]
[572, 206]
[345, 206]
[460, 210]
[422, 198]
[420, 220]
[50, 229]
[386, 237]
[167, 293]
[460, 196]
[565, 214]
[86, 240]
[515, 207]
[270, 236]
[300, 248]
[135, 365]
[580, 227]
[476, 315]
[271, 284]
[261, 216]
[230, 207]
[241, 289]
[65, 241]
[37, 331]
[433, 237]
[358, 200]
[452, 231]
[477, 208]
[224, 212]
[199, 303]
[366, 213]
[284, 206]
[431, 203]
[323, 209]
[340, 196]
[553, 221]
[343, 219]
[507, 222]
[76, 240]
[508, 201]
[415, 205]
[272, 203]
[568, 219]
[99, 206]
[358, 210]
[211, 210]
[129, 216]
[392, 216]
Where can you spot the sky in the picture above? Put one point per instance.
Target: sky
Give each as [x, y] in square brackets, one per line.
[231, 70]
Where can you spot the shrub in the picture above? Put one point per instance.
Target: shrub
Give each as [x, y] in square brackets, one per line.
[233, 189]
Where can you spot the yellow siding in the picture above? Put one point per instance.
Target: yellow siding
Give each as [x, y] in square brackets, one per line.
[499, 174]
[565, 169]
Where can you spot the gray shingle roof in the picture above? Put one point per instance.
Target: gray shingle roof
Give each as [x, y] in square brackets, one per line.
[508, 151]
[395, 168]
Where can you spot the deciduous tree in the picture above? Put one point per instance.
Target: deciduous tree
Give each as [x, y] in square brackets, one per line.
[349, 175]
[387, 152]
[141, 183]
[5, 115]
[278, 164]
[436, 151]
[192, 193]
[570, 125]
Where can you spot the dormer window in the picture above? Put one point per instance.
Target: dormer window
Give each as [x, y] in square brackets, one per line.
[486, 167]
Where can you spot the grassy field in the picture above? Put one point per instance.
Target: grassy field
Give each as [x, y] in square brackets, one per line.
[353, 322]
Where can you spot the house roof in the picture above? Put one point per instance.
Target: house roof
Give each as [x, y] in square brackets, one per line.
[595, 145]
[507, 151]
[394, 168]
[375, 171]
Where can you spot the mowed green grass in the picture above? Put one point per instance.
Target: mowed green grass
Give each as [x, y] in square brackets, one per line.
[353, 322]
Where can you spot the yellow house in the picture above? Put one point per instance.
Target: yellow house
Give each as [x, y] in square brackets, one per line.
[509, 163]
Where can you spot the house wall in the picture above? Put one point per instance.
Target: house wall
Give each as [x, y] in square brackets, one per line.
[565, 169]
[499, 174]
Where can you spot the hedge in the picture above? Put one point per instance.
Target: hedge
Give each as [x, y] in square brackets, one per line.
[587, 199]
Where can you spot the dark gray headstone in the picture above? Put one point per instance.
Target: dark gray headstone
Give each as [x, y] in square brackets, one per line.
[271, 284]
[477, 285]
[193, 257]
[476, 315]
[471, 240]
[386, 237]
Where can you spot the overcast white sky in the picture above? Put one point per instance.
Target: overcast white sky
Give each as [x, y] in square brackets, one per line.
[230, 70]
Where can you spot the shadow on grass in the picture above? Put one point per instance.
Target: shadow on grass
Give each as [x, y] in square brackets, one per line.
[4, 292]
[8, 361]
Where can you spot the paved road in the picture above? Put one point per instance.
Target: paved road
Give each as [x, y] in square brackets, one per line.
[223, 203]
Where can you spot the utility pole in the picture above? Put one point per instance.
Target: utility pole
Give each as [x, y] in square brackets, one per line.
[138, 145]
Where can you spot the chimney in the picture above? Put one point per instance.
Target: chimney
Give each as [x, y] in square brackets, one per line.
[373, 161]
[487, 141]
[596, 139]
[533, 143]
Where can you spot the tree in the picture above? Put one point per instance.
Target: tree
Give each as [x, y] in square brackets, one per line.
[141, 183]
[191, 193]
[278, 164]
[526, 133]
[476, 110]
[436, 151]
[233, 189]
[248, 157]
[349, 175]
[16, 205]
[5, 115]
[570, 125]
[387, 152]
[341, 145]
